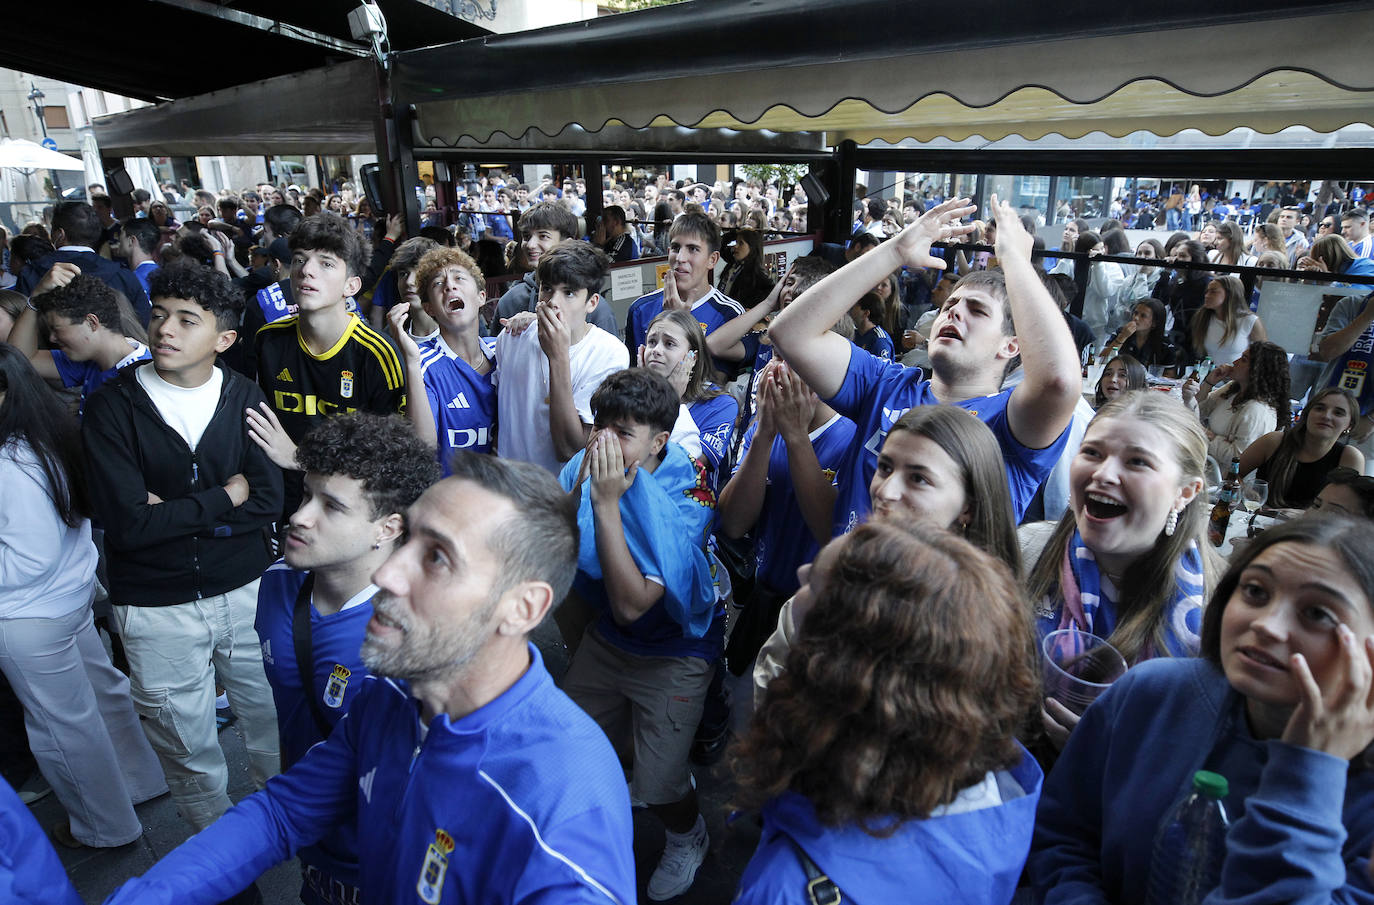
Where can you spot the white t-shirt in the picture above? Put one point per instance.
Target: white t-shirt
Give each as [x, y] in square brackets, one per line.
[1239, 342]
[186, 411]
[686, 433]
[522, 389]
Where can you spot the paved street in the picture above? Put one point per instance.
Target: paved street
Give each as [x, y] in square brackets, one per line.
[98, 873]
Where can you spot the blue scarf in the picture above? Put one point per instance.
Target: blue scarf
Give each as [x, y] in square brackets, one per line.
[667, 516]
[1081, 604]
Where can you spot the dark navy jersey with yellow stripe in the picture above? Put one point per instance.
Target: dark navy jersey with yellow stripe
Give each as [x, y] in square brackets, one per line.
[360, 372]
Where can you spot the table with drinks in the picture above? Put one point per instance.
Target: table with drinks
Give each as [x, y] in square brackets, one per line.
[1238, 512]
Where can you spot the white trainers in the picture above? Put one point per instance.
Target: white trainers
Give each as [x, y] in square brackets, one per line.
[677, 869]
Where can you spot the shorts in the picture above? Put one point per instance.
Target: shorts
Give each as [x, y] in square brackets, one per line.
[649, 708]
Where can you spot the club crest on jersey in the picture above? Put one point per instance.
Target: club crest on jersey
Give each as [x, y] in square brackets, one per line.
[701, 490]
[431, 885]
[1353, 377]
[334, 689]
[346, 384]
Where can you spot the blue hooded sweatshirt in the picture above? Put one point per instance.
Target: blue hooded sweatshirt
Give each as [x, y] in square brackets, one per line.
[521, 801]
[973, 857]
[1302, 821]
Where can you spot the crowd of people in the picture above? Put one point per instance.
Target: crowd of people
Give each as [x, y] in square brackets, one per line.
[321, 470]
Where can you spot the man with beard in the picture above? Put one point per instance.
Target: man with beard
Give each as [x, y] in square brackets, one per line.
[469, 776]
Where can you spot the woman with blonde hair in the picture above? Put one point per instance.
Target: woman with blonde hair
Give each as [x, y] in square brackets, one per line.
[1267, 237]
[1332, 254]
[1223, 328]
[1129, 560]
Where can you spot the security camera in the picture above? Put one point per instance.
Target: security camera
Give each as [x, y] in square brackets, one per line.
[366, 22]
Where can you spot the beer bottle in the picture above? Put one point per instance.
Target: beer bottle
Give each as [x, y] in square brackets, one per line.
[1227, 499]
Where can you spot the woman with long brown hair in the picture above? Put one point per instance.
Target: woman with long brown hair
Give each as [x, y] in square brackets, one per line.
[78, 713]
[744, 278]
[1279, 703]
[675, 349]
[891, 738]
[1296, 460]
[1230, 246]
[1223, 328]
[937, 466]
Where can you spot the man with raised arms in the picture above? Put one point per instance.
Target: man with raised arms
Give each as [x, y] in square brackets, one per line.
[988, 320]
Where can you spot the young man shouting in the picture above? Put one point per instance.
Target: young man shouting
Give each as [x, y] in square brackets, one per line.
[988, 320]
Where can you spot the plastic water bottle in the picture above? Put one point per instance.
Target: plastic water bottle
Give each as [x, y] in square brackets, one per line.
[1191, 845]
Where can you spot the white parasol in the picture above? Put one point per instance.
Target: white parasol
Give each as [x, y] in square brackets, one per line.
[25, 155]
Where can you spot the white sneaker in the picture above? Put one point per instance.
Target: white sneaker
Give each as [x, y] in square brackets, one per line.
[677, 869]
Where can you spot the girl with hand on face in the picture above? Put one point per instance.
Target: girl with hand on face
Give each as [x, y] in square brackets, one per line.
[915, 782]
[675, 348]
[1252, 403]
[1296, 460]
[1144, 338]
[1280, 703]
[1332, 254]
[1129, 561]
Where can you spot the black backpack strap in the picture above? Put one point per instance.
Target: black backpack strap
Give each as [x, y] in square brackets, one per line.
[305, 659]
[820, 889]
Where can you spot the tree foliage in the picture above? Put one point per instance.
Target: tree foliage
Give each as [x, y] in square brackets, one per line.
[785, 173]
